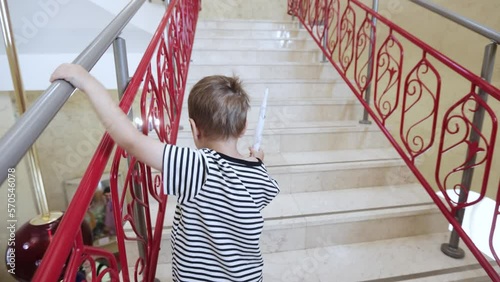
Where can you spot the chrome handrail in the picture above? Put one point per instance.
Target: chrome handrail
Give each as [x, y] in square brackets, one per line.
[21, 136]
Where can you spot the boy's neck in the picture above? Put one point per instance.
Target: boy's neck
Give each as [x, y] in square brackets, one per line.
[227, 147]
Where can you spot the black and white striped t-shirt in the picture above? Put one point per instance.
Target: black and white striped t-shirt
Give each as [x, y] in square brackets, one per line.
[217, 223]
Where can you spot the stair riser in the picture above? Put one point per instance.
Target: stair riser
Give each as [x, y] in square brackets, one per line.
[298, 113]
[288, 142]
[197, 72]
[323, 235]
[281, 44]
[257, 34]
[346, 178]
[246, 25]
[285, 91]
[304, 236]
[253, 57]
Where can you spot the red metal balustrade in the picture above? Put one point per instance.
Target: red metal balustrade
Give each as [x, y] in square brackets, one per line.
[408, 102]
[160, 79]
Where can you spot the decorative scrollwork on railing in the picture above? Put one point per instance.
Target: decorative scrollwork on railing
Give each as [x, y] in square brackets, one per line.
[83, 260]
[420, 108]
[304, 8]
[347, 38]
[160, 78]
[364, 55]
[457, 129]
[319, 19]
[162, 93]
[415, 106]
[332, 28]
[494, 231]
[388, 73]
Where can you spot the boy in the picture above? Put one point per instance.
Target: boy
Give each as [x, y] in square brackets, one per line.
[220, 193]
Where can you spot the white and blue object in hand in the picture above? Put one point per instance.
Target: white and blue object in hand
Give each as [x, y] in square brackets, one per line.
[260, 123]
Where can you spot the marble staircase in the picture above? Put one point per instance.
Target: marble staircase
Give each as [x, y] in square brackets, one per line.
[349, 208]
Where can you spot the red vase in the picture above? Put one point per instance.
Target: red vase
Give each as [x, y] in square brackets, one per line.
[31, 242]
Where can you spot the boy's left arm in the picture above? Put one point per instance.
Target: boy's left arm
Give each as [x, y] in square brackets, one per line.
[117, 124]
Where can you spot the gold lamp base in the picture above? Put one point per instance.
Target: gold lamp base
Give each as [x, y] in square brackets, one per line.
[46, 219]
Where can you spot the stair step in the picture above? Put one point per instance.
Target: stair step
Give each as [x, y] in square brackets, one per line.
[414, 258]
[246, 24]
[246, 55]
[330, 204]
[265, 71]
[385, 260]
[305, 136]
[254, 43]
[295, 110]
[285, 89]
[321, 219]
[249, 33]
[283, 161]
[339, 169]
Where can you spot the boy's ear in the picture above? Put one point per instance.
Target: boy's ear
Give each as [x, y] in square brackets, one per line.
[244, 129]
[194, 129]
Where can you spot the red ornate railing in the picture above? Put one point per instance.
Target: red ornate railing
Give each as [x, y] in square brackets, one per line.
[408, 77]
[160, 79]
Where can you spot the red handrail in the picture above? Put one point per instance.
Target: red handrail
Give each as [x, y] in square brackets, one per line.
[414, 92]
[162, 73]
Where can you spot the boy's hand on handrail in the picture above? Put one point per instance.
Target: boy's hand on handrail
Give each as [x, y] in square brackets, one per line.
[116, 123]
[74, 74]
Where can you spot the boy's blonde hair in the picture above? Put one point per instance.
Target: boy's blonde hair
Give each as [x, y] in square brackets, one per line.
[219, 105]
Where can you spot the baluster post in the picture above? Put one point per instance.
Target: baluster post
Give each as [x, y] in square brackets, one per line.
[122, 79]
[451, 248]
[370, 65]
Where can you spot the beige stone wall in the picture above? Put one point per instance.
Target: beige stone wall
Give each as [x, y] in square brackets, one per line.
[25, 200]
[67, 145]
[462, 46]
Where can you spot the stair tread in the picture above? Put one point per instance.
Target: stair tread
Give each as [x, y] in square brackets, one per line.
[379, 259]
[229, 38]
[281, 81]
[248, 21]
[333, 156]
[417, 257]
[275, 28]
[273, 100]
[344, 201]
[334, 205]
[250, 49]
[254, 38]
[301, 127]
[275, 64]
[337, 205]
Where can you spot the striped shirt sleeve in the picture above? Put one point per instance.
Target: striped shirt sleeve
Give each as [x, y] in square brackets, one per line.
[184, 172]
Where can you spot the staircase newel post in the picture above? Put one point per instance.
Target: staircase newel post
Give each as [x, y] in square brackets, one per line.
[370, 64]
[122, 79]
[452, 249]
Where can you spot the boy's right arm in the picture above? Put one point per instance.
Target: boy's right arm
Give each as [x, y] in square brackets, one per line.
[117, 124]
